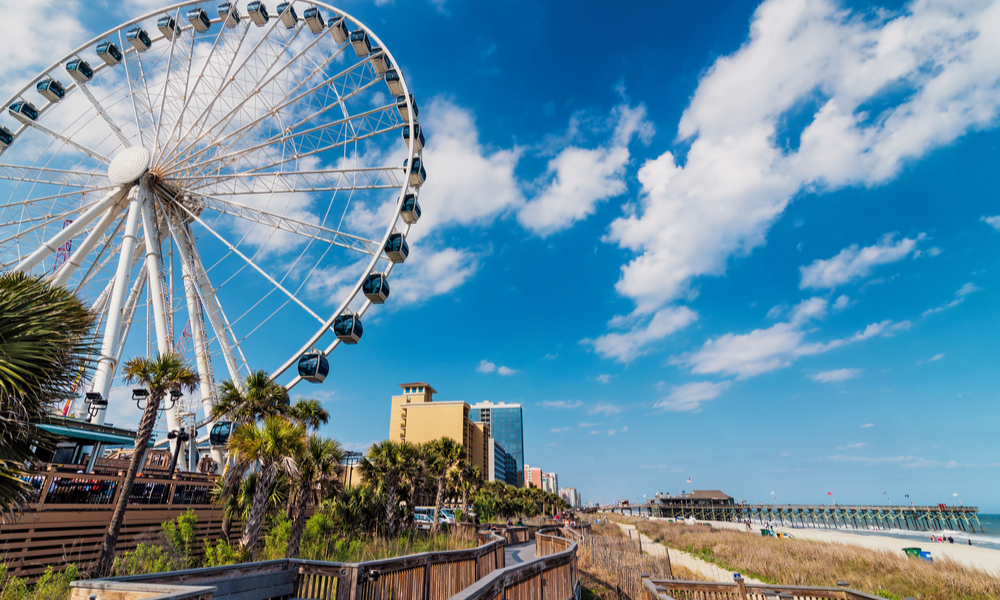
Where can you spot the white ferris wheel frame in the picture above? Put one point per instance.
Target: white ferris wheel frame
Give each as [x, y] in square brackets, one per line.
[137, 200]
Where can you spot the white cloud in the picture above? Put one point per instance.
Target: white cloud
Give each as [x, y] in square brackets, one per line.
[855, 263]
[960, 295]
[967, 289]
[764, 350]
[580, 178]
[35, 35]
[689, 396]
[934, 358]
[604, 378]
[842, 303]
[835, 376]
[626, 346]
[889, 86]
[430, 272]
[993, 222]
[486, 366]
[561, 404]
[853, 446]
[605, 408]
[867, 425]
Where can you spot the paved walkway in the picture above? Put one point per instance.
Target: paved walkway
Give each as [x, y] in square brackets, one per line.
[520, 553]
[683, 559]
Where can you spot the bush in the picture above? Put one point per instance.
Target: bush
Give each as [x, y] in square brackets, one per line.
[182, 536]
[146, 558]
[276, 539]
[222, 554]
[52, 585]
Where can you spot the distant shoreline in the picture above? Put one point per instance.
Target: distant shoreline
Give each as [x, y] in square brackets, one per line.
[977, 557]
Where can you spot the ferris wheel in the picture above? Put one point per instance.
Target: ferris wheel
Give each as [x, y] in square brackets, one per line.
[212, 176]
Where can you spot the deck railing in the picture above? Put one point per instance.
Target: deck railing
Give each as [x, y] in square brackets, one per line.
[659, 589]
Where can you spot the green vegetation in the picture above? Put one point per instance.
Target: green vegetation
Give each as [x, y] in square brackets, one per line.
[52, 585]
[804, 562]
[45, 337]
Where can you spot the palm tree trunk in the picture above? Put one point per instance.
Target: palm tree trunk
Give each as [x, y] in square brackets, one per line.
[299, 524]
[107, 559]
[258, 509]
[390, 506]
[227, 525]
[438, 503]
[465, 504]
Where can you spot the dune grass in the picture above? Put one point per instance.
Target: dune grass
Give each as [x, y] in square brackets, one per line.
[806, 562]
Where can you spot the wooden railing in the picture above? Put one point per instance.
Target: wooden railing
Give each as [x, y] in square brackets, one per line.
[426, 576]
[70, 512]
[554, 576]
[657, 589]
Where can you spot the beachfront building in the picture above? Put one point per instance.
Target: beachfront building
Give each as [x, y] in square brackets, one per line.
[550, 482]
[696, 498]
[416, 417]
[571, 496]
[504, 423]
[532, 476]
[501, 464]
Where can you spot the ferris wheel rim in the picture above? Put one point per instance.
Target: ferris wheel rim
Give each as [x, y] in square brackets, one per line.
[100, 170]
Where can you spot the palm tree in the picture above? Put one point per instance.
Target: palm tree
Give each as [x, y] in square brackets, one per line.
[310, 413]
[467, 479]
[389, 463]
[442, 456]
[319, 473]
[45, 338]
[159, 376]
[272, 446]
[252, 399]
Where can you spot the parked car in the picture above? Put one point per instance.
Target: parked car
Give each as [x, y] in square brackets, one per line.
[422, 521]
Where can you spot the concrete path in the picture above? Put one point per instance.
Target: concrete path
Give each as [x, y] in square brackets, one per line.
[683, 559]
[520, 553]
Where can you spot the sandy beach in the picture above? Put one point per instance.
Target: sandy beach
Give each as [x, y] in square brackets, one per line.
[985, 559]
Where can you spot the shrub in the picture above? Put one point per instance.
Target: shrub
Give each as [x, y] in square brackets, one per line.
[222, 554]
[146, 558]
[182, 536]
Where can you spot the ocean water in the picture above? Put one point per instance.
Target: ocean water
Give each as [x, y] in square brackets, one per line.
[988, 538]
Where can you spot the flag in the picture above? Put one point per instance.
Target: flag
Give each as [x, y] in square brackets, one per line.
[952, 494]
[907, 495]
[829, 493]
[689, 481]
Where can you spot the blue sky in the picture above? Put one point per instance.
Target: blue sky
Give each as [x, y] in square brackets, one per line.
[751, 245]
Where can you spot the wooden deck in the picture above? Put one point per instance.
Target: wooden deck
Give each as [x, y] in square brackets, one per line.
[71, 513]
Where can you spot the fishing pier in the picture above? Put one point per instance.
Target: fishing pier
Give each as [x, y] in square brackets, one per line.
[713, 505]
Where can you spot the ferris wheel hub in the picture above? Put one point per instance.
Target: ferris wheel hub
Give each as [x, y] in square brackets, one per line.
[129, 165]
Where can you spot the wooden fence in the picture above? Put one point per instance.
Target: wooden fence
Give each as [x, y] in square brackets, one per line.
[70, 513]
[426, 576]
[660, 589]
[619, 562]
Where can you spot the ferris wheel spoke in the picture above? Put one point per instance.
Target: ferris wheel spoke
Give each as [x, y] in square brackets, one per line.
[175, 86]
[65, 140]
[237, 184]
[254, 265]
[306, 230]
[311, 141]
[256, 92]
[139, 93]
[281, 103]
[103, 113]
[99, 261]
[213, 75]
[49, 220]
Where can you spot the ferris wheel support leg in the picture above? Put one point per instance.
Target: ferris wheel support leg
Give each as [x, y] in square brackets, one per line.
[112, 329]
[76, 259]
[188, 270]
[71, 230]
[153, 265]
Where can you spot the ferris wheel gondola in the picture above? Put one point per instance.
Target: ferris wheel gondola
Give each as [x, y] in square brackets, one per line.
[208, 169]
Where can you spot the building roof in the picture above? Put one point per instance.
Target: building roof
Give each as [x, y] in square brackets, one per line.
[490, 404]
[420, 384]
[708, 495]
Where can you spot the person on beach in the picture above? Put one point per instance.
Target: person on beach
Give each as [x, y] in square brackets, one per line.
[951, 540]
[970, 542]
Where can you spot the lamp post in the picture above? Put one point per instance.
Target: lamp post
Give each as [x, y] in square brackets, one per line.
[351, 459]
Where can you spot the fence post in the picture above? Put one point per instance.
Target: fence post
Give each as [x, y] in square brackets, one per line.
[741, 587]
[347, 584]
[427, 579]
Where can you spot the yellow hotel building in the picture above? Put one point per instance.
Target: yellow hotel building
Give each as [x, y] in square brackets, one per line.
[415, 417]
